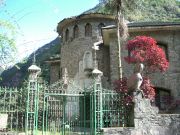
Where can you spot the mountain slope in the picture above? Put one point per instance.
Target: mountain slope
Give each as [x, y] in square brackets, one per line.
[17, 74]
[146, 10]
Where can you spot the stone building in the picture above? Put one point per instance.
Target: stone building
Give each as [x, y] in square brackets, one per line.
[81, 32]
[167, 36]
[78, 36]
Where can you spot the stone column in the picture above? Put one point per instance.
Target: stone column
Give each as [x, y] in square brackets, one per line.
[144, 112]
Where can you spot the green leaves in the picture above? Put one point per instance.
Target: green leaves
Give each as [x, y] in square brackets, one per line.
[144, 10]
[7, 43]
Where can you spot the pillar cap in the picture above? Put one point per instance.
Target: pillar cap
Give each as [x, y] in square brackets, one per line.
[97, 72]
[34, 68]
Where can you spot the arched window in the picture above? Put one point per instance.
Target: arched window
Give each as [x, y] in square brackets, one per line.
[88, 30]
[75, 32]
[67, 35]
[99, 28]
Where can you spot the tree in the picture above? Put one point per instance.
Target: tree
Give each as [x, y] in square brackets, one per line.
[143, 49]
[7, 43]
[119, 7]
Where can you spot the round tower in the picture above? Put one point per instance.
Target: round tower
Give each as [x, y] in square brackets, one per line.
[78, 36]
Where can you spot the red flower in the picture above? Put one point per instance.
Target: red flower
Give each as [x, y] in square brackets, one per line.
[148, 90]
[145, 50]
[120, 86]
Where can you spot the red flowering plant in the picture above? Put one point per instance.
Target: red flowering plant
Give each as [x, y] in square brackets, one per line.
[143, 49]
[147, 88]
[120, 86]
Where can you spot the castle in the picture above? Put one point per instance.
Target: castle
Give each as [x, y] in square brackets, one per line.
[78, 34]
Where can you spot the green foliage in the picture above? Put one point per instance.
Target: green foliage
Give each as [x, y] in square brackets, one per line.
[7, 43]
[144, 10]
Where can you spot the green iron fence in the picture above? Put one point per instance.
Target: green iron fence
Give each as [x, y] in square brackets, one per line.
[114, 113]
[61, 109]
[12, 110]
[107, 110]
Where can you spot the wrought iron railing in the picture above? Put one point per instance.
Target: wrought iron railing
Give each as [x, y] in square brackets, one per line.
[12, 109]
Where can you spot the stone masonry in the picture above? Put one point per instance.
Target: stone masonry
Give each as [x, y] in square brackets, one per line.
[73, 50]
[148, 121]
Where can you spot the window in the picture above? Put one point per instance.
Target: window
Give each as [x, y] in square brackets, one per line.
[163, 98]
[67, 35]
[165, 48]
[88, 30]
[99, 28]
[75, 32]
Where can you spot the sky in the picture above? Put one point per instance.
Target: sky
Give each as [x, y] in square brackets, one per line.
[36, 20]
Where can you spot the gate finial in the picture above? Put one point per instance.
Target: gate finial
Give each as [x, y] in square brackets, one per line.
[33, 69]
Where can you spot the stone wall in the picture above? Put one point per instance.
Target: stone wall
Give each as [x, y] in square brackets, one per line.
[147, 121]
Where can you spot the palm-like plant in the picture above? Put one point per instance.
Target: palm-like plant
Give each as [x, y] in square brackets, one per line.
[119, 7]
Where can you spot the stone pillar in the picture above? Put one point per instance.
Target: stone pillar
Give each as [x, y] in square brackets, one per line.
[143, 112]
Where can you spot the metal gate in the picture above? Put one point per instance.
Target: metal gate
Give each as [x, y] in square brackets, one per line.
[70, 110]
[65, 109]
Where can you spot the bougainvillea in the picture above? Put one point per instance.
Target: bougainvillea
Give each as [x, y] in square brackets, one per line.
[145, 50]
[120, 86]
[142, 49]
[148, 89]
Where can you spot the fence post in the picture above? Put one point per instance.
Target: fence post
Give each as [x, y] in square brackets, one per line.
[32, 101]
[97, 101]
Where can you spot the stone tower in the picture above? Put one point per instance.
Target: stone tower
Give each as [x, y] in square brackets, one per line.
[78, 36]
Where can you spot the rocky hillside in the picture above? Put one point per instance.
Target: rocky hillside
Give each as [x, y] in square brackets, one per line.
[15, 75]
[146, 10]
